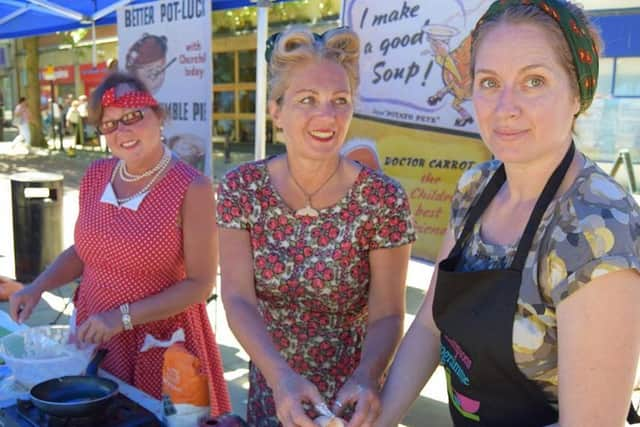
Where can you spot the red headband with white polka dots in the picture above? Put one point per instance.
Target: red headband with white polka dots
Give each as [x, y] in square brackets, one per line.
[132, 99]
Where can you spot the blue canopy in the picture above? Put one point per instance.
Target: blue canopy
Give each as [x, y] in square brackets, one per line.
[21, 18]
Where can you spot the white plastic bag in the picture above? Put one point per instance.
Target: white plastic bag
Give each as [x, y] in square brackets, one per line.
[41, 353]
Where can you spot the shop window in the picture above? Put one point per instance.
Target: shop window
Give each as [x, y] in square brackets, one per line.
[605, 77]
[247, 65]
[223, 128]
[223, 102]
[269, 132]
[280, 14]
[223, 67]
[247, 130]
[247, 101]
[627, 72]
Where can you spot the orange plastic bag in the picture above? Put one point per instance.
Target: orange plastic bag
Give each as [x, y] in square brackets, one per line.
[182, 377]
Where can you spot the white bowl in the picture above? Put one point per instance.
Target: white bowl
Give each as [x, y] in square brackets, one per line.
[41, 353]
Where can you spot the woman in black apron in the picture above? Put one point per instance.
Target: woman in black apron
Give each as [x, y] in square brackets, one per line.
[519, 345]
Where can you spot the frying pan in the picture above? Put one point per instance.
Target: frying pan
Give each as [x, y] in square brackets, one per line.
[76, 395]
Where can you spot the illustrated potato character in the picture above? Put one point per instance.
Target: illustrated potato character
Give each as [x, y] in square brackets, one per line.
[190, 148]
[363, 151]
[146, 59]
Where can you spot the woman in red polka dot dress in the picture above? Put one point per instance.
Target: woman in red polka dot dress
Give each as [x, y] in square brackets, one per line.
[145, 245]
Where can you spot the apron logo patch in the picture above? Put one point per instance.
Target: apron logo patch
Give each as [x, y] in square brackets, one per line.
[467, 407]
[456, 361]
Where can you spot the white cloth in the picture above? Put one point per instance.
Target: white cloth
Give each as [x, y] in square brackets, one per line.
[152, 342]
[109, 196]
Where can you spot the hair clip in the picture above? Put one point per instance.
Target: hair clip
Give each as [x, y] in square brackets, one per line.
[273, 40]
[271, 44]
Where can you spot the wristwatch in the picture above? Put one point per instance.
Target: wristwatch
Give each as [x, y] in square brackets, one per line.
[126, 317]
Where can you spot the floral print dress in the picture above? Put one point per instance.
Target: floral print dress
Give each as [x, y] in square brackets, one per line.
[312, 274]
[590, 230]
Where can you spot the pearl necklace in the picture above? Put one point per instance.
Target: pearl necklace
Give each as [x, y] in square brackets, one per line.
[122, 200]
[308, 210]
[127, 176]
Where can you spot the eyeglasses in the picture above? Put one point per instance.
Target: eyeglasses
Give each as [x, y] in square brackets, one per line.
[273, 39]
[130, 118]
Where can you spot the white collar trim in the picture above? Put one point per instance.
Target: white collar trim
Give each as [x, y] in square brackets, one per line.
[109, 197]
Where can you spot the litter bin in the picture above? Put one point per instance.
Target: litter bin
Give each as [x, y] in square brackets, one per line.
[36, 199]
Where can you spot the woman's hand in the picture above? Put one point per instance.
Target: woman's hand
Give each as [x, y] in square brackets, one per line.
[100, 328]
[289, 394]
[364, 396]
[8, 287]
[22, 303]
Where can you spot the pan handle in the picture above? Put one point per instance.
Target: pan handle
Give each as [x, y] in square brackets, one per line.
[92, 369]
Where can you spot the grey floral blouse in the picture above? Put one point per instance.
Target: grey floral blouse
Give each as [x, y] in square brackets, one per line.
[590, 230]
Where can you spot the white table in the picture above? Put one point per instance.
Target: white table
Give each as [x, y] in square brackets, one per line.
[138, 396]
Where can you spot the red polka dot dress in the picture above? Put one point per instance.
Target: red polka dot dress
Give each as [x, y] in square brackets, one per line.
[130, 255]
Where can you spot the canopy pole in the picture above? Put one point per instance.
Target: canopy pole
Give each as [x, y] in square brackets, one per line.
[93, 44]
[261, 78]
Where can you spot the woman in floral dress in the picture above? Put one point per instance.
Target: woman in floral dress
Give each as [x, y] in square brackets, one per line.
[314, 248]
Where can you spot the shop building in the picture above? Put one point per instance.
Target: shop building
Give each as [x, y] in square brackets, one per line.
[612, 124]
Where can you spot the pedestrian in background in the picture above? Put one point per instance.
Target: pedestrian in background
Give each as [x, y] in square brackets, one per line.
[21, 119]
[73, 118]
[83, 113]
[56, 121]
[66, 105]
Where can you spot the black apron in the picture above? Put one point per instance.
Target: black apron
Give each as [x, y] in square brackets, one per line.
[475, 312]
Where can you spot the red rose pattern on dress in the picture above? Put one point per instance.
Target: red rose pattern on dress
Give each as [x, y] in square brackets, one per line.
[312, 274]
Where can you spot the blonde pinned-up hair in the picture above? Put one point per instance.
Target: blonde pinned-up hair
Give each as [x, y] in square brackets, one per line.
[299, 46]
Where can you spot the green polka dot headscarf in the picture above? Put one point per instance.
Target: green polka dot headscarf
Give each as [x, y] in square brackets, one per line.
[581, 44]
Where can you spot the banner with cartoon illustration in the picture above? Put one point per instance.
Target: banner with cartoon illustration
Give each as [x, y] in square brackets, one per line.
[427, 164]
[415, 56]
[167, 44]
[414, 118]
